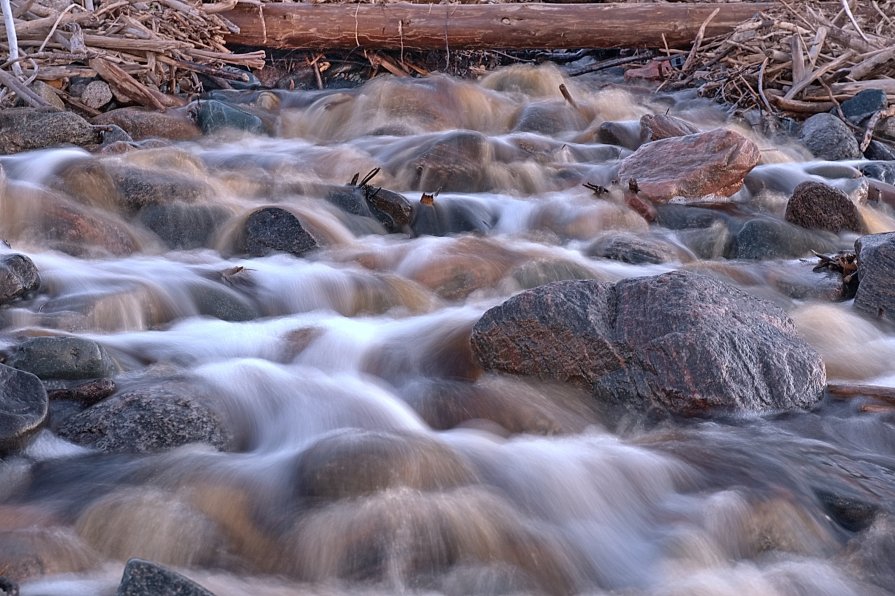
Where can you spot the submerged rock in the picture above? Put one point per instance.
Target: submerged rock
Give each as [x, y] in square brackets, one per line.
[213, 116]
[876, 275]
[692, 166]
[18, 277]
[770, 238]
[828, 137]
[817, 206]
[353, 462]
[62, 358]
[140, 187]
[630, 248]
[23, 407]
[157, 417]
[142, 578]
[183, 226]
[26, 129]
[677, 343]
[272, 229]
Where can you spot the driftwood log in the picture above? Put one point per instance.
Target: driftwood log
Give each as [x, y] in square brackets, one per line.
[482, 26]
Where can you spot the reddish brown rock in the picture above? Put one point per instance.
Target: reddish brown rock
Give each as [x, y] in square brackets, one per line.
[661, 126]
[140, 124]
[692, 166]
[816, 206]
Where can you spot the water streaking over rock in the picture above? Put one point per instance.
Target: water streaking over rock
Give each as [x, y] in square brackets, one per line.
[434, 336]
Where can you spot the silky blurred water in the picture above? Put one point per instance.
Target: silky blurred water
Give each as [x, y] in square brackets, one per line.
[502, 485]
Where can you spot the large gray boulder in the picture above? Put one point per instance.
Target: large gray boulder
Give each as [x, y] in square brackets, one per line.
[876, 274]
[23, 407]
[678, 343]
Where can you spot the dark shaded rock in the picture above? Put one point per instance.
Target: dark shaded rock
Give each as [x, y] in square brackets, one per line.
[392, 209]
[624, 134]
[663, 126]
[543, 271]
[183, 226]
[139, 187]
[88, 393]
[18, 277]
[62, 358]
[769, 238]
[451, 216]
[26, 129]
[213, 116]
[880, 170]
[23, 407]
[876, 274]
[828, 137]
[817, 206]
[693, 166]
[677, 343]
[880, 151]
[8, 587]
[112, 134]
[686, 217]
[143, 124]
[852, 514]
[272, 229]
[148, 419]
[354, 462]
[863, 105]
[221, 302]
[630, 248]
[143, 578]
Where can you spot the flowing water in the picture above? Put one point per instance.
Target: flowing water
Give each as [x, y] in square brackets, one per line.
[370, 454]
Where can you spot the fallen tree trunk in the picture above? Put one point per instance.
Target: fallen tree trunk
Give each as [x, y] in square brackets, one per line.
[481, 26]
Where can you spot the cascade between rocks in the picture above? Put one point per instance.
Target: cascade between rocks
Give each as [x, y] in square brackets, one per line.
[438, 336]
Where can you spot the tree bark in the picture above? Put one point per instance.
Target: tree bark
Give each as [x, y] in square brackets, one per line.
[481, 26]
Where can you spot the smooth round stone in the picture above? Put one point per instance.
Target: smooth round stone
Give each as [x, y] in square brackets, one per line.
[23, 407]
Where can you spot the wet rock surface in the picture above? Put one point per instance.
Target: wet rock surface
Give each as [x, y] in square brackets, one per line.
[144, 578]
[876, 272]
[62, 358]
[817, 206]
[678, 343]
[152, 418]
[18, 277]
[272, 229]
[692, 166]
[23, 407]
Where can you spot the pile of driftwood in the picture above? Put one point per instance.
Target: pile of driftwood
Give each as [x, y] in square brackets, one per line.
[798, 58]
[84, 54]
